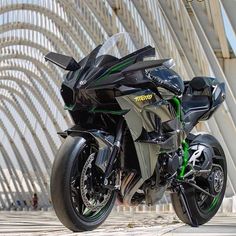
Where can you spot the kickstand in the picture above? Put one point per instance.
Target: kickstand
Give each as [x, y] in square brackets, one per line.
[193, 222]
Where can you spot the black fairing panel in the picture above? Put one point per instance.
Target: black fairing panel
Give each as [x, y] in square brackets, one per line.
[169, 77]
[202, 97]
[194, 107]
[98, 81]
[217, 98]
[153, 125]
[105, 60]
[192, 103]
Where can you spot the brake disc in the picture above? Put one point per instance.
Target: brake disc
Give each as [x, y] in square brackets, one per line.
[87, 191]
[216, 178]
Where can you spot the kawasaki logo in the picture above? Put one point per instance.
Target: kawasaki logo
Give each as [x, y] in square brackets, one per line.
[143, 98]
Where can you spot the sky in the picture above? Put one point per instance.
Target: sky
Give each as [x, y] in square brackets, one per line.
[230, 33]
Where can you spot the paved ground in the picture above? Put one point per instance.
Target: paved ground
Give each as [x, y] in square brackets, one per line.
[134, 224]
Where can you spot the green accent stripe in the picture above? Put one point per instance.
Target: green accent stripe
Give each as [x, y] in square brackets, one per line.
[214, 203]
[114, 69]
[120, 66]
[120, 112]
[185, 159]
[177, 104]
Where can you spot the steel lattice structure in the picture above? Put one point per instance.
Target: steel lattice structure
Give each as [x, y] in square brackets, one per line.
[31, 110]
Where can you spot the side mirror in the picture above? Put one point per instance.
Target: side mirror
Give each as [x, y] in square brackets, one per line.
[63, 61]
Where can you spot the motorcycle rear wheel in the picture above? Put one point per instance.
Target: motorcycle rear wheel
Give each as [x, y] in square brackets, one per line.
[75, 158]
[202, 212]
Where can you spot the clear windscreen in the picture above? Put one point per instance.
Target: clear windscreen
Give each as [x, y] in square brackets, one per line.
[120, 45]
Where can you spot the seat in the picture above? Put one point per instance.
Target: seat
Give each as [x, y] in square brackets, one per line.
[199, 83]
[195, 102]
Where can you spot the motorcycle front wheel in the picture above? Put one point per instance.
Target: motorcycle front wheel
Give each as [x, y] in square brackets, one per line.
[78, 198]
[202, 206]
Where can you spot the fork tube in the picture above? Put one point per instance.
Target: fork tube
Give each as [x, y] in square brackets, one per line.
[115, 149]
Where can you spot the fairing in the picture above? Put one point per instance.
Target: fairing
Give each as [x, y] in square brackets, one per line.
[142, 122]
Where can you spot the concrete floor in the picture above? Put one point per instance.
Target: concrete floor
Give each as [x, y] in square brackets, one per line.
[145, 224]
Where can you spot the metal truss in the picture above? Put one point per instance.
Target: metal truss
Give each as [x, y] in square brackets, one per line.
[31, 109]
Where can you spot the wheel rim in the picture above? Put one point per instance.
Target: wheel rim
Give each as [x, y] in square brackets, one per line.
[81, 181]
[214, 184]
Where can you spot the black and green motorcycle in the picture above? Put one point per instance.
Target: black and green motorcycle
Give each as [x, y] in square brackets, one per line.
[132, 137]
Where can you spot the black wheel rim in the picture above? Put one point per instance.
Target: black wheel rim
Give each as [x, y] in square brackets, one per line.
[76, 198]
[207, 204]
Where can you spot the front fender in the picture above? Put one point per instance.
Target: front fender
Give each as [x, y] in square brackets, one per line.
[102, 138]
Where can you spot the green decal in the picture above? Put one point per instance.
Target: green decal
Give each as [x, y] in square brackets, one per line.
[115, 68]
[185, 159]
[118, 67]
[214, 202]
[177, 104]
[120, 112]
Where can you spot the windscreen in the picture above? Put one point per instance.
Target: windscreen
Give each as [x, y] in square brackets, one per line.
[120, 45]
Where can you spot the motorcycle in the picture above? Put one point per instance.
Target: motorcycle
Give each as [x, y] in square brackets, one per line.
[132, 139]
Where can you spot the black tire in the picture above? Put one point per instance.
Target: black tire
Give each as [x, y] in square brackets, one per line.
[61, 189]
[201, 216]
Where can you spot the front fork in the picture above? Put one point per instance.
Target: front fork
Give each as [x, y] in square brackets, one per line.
[115, 151]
